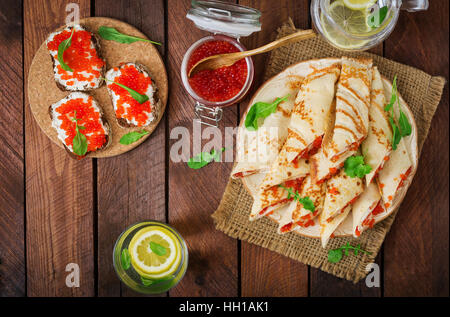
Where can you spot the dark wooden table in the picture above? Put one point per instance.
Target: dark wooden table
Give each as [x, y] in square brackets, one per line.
[55, 211]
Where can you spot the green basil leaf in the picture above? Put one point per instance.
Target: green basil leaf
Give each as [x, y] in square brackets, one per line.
[125, 259]
[354, 166]
[111, 34]
[405, 127]
[261, 110]
[204, 158]
[157, 248]
[80, 144]
[132, 137]
[377, 17]
[136, 96]
[396, 136]
[307, 203]
[335, 255]
[61, 48]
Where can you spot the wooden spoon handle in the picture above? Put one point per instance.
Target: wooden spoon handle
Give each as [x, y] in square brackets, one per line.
[291, 38]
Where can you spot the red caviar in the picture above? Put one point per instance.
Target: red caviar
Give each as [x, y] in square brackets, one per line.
[79, 56]
[87, 118]
[126, 106]
[220, 84]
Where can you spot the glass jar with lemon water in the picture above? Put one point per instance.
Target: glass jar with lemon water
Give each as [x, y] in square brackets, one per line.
[359, 24]
[150, 257]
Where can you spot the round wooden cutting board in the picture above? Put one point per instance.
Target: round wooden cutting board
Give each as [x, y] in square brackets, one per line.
[252, 182]
[42, 89]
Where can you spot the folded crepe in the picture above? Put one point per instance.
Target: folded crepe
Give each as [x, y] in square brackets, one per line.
[328, 227]
[268, 200]
[322, 168]
[377, 146]
[296, 215]
[309, 116]
[352, 108]
[394, 173]
[365, 208]
[341, 192]
[285, 171]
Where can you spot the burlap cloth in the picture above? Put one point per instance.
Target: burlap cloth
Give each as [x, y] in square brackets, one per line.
[421, 91]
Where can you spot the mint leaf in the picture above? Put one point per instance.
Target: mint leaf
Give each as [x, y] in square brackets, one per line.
[157, 248]
[335, 255]
[354, 166]
[132, 137]
[261, 110]
[146, 281]
[377, 17]
[61, 48]
[111, 34]
[125, 259]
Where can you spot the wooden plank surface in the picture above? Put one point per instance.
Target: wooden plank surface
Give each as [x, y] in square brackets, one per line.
[195, 194]
[131, 187]
[266, 273]
[12, 253]
[416, 249]
[59, 190]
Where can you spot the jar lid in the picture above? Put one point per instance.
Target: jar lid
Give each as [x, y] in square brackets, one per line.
[224, 18]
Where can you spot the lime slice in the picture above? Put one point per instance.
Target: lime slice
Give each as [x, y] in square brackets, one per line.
[358, 4]
[154, 262]
[353, 22]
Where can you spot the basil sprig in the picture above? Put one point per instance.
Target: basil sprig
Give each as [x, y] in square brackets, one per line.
[404, 127]
[79, 141]
[141, 98]
[377, 17]
[132, 137]
[61, 48]
[261, 110]
[112, 34]
[354, 166]
[307, 203]
[125, 259]
[335, 255]
[204, 158]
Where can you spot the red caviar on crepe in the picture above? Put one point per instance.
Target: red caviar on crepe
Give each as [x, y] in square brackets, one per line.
[341, 192]
[82, 56]
[329, 226]
[394, 174]
[268, 200]
[322, 168]
[296, 215]
[352, 108]
[365, 208]
[130, 112]
[309, 117]
[376, 148]
[286, 171]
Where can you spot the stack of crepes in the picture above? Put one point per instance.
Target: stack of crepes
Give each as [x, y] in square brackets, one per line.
[338, 113]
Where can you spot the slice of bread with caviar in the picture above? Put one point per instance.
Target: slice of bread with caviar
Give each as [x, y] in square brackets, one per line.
[82, 56]
[80, 109]
[129, 112]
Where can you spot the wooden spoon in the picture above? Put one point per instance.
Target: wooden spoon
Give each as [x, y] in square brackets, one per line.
[221, 60]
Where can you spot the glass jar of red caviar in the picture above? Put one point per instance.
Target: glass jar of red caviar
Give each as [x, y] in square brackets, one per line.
[214, 89]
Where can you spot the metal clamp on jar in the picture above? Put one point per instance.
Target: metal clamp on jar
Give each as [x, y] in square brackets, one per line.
[214, 89]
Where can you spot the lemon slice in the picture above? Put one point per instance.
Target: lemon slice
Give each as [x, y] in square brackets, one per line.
[358, 4]
[153, 264]
[351, 21]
